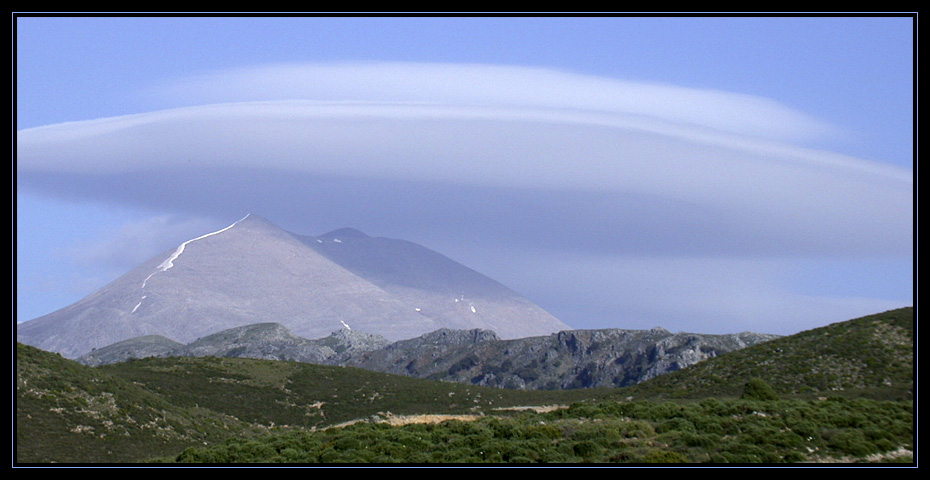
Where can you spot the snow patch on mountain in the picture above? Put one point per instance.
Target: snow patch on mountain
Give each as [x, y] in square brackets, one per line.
[169, 262]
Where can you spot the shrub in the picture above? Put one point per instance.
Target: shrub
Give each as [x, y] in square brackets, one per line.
[702, 440]
[757, 389]
[543, 431]
[636, 429]
[675, 425]
[587, 449]
[853, 442]
[664, 456]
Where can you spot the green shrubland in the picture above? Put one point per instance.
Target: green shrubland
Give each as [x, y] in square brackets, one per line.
[711, 431]
[841, 393]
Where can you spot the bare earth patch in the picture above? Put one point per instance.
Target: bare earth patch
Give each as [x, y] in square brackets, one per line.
[537, 409]
[399, 420]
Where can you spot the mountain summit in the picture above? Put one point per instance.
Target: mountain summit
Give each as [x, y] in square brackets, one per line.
[254, 272]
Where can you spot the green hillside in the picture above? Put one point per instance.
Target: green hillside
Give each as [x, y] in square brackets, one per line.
[140, 409]
[841, 393]
[870, 357]
[710, 431]
[272, 393]
[67, 412]
[838, 394]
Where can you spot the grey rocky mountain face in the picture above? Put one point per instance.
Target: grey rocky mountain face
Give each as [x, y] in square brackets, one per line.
[254, 272]
[568, 359]
[139, 347]
[266, 341]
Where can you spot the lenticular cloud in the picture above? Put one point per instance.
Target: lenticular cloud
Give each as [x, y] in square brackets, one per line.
[498, 86]
[729, 156]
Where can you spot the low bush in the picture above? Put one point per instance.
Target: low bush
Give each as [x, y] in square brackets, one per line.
[759, 432]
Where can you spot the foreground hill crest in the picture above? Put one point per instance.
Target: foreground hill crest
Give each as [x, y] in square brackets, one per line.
[254, 272]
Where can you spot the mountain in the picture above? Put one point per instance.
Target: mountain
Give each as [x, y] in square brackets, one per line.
[254, 272]
[454, 296]
[145, 346]
[566, 360]
[266, 341]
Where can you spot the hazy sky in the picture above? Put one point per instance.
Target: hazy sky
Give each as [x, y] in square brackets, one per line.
[700, 174]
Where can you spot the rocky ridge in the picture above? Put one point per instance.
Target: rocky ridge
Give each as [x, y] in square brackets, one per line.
[568, 359]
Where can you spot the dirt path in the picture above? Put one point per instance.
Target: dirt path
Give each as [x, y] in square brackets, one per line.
[399, 420]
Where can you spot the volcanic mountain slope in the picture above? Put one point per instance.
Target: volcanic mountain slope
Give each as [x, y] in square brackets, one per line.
[254, 272]
[454, 296]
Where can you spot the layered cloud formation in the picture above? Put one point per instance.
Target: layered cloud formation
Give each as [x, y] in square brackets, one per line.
[474, 157]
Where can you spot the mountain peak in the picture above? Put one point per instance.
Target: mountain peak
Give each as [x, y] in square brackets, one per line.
[254, 221]
[255, 272]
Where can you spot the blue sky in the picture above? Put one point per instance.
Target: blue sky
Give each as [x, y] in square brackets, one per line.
[700, 174]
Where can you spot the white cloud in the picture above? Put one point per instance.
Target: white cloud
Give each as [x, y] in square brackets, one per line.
[712, 185]
[795, 195]
[497, 86]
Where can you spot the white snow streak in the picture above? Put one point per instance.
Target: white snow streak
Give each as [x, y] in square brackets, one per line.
[170, 261]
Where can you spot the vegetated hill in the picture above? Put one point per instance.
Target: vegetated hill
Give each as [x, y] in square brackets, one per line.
[265, 392]
[68, 412]
[148, 408]
[871, 356]
[711, 431]
[852, 382]
[127, 412]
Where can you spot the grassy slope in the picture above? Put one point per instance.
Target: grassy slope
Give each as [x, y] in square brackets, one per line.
[271, 393]
[149, 408]
[863, 367]
[68, 412]
[715, 431]
[870, 356]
